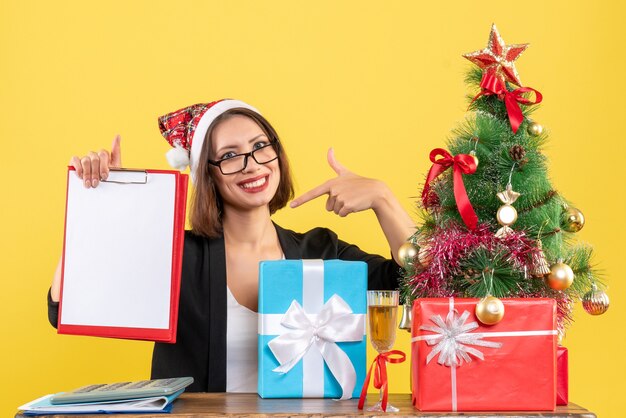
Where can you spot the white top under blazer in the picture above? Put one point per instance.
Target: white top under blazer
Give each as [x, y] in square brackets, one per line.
[241, 347]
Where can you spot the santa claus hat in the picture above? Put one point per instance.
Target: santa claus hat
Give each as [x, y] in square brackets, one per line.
[186, 128]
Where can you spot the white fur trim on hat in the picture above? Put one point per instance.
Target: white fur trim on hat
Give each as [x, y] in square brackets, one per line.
[203, 126]
[178, 157]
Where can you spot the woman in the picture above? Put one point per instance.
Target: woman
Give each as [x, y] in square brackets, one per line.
[241, 176]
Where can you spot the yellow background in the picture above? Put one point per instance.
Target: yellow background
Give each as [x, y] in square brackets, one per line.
[382, 82]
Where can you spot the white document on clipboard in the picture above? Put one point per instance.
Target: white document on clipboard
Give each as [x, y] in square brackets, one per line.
[122, 255]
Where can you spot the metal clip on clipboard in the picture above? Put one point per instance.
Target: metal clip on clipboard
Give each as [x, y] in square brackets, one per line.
[127, 170]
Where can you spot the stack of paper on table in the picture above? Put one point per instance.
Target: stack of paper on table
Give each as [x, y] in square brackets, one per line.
[43, 406]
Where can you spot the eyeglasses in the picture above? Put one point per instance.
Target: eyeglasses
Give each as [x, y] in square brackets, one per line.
[262, 155]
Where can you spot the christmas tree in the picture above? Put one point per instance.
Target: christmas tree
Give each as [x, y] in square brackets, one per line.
[494, 226]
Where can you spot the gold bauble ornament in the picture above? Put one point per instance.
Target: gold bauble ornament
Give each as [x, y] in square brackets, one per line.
[473, 154]
[534, 129]
[561, 276]
[490, 310]
[573, 220]
[407, 252]
[595, 302]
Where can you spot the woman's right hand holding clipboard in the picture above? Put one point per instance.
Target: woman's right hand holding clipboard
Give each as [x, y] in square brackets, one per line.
[95, 166]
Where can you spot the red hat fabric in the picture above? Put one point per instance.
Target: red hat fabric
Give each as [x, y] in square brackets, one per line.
[185, 129]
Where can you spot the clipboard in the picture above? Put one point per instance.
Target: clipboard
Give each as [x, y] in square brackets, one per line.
[122, 255]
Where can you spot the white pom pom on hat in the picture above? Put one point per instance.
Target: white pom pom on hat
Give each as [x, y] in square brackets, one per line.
[178, 157]
[186, 128]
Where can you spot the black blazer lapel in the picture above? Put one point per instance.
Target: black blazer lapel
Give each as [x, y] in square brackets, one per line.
[290, 247]
[218, 311]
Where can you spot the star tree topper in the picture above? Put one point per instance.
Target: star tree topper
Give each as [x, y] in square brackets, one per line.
[498, 57]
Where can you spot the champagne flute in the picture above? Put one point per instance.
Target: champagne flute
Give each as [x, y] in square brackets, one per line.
[382, 311]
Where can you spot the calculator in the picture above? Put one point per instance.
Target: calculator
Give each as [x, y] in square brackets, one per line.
[122, 390]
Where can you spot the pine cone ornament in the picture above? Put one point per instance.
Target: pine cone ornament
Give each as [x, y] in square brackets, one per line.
[517, 153]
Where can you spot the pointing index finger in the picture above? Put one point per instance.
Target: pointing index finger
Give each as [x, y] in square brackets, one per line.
[314, 193]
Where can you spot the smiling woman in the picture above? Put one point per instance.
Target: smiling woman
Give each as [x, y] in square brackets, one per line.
[225, 147]
[241, 176]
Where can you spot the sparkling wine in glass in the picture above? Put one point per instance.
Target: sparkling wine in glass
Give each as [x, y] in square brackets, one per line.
[382, 311]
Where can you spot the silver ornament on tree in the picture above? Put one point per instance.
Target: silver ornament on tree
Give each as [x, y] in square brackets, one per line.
[595, 302]
[407, 253]
[506, 215]
[407, 317]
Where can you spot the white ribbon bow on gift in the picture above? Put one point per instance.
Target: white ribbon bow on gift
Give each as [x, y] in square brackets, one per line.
[452, 338]
[334, 323]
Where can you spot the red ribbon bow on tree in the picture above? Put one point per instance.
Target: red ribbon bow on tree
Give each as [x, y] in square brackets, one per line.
[491, 84]
[380, 376]
[462, 164]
